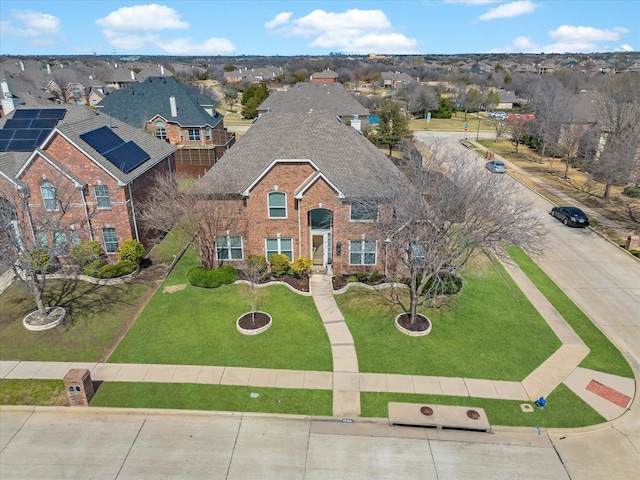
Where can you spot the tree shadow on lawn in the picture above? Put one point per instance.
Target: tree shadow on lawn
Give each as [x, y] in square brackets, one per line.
[97, 315]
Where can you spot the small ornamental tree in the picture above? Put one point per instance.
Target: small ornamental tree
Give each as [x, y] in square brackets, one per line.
[256, 269]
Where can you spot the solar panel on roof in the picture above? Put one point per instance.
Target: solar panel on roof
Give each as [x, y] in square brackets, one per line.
[43, 123]
[4, 145]
[27, 113]
[6, 134]
[43, 136]
[127, 157]
[21, 145]
[57, 113]
[24, 134]
[14, 123]
[102, 139]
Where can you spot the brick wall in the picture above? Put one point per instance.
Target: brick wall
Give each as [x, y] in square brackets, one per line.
[288, 177]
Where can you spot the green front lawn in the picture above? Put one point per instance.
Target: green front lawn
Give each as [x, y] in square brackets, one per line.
[564, 408]
[32, 392]
[604, 356]
[197, 326]
[487, 332]
[191, 396]
[96, 315]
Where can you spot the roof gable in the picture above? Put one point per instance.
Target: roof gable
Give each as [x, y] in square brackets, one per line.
[347, 160]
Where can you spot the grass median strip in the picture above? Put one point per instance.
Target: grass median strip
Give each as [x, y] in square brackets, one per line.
[191, 396]
[564, 408]
[604, 356]
[32, 392]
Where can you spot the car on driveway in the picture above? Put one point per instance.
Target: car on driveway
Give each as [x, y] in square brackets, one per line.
[570, 216]
[496, 166]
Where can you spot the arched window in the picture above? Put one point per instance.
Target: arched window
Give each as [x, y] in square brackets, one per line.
[277, 205]
[48, 192]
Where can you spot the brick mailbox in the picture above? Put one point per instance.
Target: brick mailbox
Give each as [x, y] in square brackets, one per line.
[78, 385]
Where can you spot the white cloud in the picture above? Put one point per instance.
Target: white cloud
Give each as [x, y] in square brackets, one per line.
[280, 19]
[624, 48]
[472, 2]
[569, 33]
[570, 39]
[510, 10]
[37, 26]
[137, 28]
[184, 46]
[352, 31]
[129, 42]
[143, 17]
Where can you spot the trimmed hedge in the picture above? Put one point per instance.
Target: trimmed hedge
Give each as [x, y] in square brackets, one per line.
[201, 277]
[113, 270]
[279, 264]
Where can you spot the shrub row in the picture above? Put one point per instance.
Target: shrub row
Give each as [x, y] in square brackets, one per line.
[201, 277]
[90, 257]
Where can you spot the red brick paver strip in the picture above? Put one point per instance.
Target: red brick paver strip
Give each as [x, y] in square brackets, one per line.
[608, 393]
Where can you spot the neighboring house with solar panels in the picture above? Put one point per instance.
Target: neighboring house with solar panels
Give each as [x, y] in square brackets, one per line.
[331, 98]
[180, 115]
[99, 165]
[304, 184]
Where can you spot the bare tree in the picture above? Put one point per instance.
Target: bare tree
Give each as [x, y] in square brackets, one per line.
[550, 101]
[444, 213]
[35, 235]
[619, 121]
[202, 219]
[501, 126]
[518, 129]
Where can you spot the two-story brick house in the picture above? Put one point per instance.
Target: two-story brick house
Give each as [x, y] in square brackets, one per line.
[306, 185]
[83, 180]
[173, 112]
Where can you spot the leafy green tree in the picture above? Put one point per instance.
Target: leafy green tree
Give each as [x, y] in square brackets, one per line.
[250, 109]
[259, 91]
[492, 100]
[393, 127]
[444, 109]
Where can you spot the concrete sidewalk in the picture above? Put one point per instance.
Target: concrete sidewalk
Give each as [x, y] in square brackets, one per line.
[609, 395]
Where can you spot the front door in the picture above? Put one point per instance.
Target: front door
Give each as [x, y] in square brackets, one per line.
[320, 224]
[318, 249]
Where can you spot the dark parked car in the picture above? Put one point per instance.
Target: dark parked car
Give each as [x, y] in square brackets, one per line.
[496, 166]
[571, 216]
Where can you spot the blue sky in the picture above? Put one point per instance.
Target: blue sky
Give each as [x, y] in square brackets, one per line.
[263, 27]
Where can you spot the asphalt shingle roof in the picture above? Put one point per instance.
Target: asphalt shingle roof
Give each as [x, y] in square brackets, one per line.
[158, 150]
[139, 103]
[81, 119]
[343, 155]
[304, 97]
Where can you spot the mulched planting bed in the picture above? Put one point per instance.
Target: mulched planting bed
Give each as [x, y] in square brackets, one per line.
[261, 320]
[299, 283]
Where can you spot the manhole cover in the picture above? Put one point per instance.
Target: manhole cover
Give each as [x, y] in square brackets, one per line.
[426, 411]
[473, 415]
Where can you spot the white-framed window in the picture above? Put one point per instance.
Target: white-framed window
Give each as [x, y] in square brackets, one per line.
[41, 238]
[229, 247]
[194, 134]
[101, 192]
[279, 245]
[418, 255]
[207, 134]
[364, 212]
[363, 252]
[277, 205]
[75, 238]
[48, 192]
[110, 240]
[60, 241]
[161, 133]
